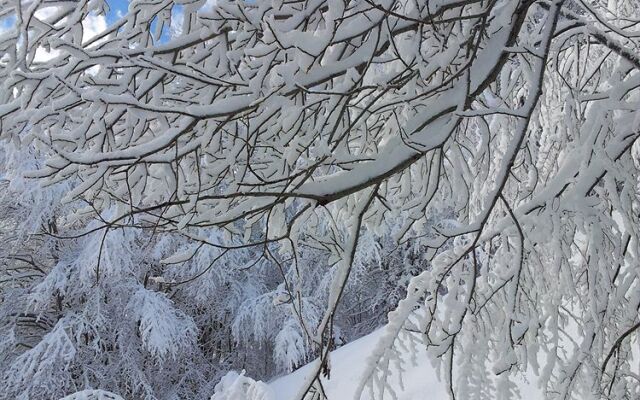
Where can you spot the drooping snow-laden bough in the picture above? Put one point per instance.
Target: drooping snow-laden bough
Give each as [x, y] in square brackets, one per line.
[195, 180]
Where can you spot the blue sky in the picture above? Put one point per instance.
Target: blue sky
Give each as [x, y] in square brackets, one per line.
[117, 8]
[7, 22]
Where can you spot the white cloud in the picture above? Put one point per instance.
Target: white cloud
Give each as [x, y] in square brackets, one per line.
[93, 25]
[42, 55]
[45, 13]
[209, 5]
[177, 17]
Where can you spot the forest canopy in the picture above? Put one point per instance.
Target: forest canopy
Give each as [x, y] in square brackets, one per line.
[189, 188]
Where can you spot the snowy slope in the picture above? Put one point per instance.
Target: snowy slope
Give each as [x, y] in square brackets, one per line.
[420, 381]
[347, 366]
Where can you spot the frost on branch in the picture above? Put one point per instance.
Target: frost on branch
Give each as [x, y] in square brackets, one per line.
[90, 394]
[163, 330]
[247, 184]
[234, 386]
[44, 368]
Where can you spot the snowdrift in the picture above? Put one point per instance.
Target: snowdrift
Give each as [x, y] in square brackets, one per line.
[418, 380]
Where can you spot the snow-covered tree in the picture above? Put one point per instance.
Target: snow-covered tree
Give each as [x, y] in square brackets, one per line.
[249, 173]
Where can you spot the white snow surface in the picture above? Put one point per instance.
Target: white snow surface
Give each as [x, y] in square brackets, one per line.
[419, 379]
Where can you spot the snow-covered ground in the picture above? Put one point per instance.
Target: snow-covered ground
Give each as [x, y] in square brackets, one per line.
[419, 378]
[420, 381]
[347, 368]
